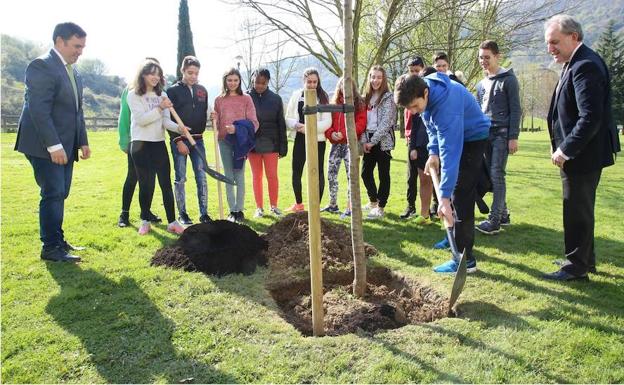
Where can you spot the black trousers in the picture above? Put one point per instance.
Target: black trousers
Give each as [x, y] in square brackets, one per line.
[151, 159]
[129, 185]
[465, 194]
[381, 159]
[579, 199]
[298, 161]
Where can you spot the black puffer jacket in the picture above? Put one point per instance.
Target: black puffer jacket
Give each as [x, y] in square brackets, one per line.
[271, 136]
[192, 109]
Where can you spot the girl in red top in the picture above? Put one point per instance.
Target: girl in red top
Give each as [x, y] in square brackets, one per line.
[337, 135]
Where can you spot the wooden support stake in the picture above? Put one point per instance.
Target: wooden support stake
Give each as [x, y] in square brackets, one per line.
[218, 166]
[314, 218]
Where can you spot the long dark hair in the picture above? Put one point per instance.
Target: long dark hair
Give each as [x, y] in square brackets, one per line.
[338, 98]
[320, 92]
[232, 71]
[148, 67]
[368, 89]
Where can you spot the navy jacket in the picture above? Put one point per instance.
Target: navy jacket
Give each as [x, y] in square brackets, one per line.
[193, 109]
[271, 135]
[50, 115]
[580, 121]
[243, 140]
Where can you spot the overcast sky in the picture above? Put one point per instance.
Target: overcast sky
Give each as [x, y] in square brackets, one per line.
[122, 33]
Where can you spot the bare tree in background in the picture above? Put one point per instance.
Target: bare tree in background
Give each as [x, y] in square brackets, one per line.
[282, 67]
[251, 46]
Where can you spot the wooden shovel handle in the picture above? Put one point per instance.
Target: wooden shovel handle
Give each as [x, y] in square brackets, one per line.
[185, 132]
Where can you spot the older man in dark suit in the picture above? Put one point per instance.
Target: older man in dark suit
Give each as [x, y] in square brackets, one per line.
[52, 130]
[583, 139]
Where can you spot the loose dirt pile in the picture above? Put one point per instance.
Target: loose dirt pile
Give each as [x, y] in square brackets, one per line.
[218, 248]
[391, 301]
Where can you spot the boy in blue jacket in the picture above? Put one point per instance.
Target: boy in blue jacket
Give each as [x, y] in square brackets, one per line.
[458, 132]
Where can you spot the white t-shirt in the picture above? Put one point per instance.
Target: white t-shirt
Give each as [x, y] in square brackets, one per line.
[371, 114]
[487, 88]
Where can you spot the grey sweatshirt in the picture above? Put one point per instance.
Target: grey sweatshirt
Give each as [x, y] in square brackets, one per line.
[502, 103]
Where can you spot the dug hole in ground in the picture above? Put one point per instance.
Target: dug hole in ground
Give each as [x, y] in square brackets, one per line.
[222, 247]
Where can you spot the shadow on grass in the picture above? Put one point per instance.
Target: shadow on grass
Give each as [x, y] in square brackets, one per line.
[472, 343]
[127, 339]
[524, 238]
[441, 376]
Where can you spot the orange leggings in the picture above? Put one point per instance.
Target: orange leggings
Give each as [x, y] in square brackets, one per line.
[270, 166]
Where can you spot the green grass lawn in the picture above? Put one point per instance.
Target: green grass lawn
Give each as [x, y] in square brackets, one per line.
[113, 318]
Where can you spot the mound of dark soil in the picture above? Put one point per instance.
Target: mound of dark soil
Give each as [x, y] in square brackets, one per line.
[391, 301]
[289, 255]
[219, 248]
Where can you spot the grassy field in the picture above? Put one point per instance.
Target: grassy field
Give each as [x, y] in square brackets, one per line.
[113, 318]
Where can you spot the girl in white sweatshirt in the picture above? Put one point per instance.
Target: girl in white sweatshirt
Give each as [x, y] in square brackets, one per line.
[149, 114]
[296, 127]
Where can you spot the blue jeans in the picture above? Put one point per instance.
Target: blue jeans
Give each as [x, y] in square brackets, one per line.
[179, 166]
[496, 155]
[236, 200]
[54, 182]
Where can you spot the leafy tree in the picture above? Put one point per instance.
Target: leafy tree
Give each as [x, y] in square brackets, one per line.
[611, 47]
[185, 36]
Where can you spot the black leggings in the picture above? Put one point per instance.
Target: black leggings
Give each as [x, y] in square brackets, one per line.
[298, 161]
[129, 186]
[152, 159]
[381, 159]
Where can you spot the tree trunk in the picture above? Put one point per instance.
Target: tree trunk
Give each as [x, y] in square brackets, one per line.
[357, 238]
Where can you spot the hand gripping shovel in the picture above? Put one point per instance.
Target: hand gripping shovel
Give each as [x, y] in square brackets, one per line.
[216, 175]
[460, 276]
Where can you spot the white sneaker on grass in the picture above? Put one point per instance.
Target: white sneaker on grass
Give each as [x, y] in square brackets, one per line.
[375, 213]
[259, 212]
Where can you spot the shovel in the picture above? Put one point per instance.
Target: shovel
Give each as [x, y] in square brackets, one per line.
[460, 276]
[216, 175]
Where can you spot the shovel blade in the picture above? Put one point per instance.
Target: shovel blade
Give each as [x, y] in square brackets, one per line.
[211, 172]
[458, 283]
[218, 176]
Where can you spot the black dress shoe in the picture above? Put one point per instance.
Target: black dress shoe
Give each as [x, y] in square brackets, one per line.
[562, 275]
[561, 262]
[58, 254]
[69, 247]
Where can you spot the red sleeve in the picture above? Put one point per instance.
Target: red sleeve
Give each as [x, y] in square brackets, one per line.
[333, 128]
[360, 122]
[408, 123]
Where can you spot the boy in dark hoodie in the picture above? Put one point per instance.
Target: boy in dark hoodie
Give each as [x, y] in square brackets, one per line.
[499, 97]
[458, 133]
[190, 101]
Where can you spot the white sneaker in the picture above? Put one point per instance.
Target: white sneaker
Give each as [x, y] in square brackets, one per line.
[370, 205]
[259, 212]
[277, 212]
[375, 213]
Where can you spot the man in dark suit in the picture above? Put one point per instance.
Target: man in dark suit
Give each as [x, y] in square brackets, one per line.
[583, 139]
[51, 130]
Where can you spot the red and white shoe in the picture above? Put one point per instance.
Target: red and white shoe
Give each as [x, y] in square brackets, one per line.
[175, 228]
[297, 207]
[145, 228]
